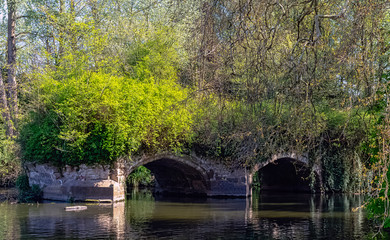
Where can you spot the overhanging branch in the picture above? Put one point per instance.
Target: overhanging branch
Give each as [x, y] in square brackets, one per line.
[334, 16]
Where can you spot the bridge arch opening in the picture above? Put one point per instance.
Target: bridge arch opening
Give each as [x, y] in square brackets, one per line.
[174, 177]
[285, 175]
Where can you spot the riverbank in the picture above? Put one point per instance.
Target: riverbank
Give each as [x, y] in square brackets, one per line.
[8, 194]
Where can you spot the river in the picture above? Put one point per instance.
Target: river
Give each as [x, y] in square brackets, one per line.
[264, 216]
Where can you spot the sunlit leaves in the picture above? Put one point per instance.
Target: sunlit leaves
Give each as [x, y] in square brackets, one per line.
[92, 113]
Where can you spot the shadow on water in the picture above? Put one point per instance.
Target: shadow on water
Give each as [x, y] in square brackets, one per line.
[309, 216]
[144, 216]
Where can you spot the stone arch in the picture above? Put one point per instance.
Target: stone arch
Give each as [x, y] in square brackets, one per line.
[181, 175]
[288, 172]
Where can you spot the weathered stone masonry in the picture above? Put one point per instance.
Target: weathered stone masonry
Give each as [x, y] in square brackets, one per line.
[178, 174]
[174, 174]
[76, 183]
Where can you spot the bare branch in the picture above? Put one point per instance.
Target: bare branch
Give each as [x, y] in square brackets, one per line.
[334, 16]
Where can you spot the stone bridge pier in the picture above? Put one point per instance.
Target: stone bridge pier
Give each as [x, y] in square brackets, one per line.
[181, 175]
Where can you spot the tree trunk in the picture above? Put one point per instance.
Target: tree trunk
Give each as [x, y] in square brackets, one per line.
[12, 86]
[60, 37]
[5, 110]
[73, 14]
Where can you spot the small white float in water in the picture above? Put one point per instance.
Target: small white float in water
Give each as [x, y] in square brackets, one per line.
[76, 208]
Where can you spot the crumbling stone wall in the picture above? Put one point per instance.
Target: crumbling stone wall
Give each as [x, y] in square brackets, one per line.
[109, 182]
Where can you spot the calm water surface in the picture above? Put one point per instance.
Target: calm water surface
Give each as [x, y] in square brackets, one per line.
[287, 216]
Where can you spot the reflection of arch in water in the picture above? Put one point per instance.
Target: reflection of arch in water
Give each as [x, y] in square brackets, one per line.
[176, 175]
[288, 172]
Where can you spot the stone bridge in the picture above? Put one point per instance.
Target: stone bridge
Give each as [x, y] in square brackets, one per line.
[181, 175]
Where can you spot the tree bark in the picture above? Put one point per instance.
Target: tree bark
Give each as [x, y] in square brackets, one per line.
[60, 37]
[5, 110]
[12, 86]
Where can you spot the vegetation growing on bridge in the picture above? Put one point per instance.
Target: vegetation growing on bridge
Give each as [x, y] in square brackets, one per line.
[233, 80]
[97, 114]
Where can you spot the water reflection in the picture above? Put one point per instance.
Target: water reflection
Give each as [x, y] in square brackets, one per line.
[9, 224]
[50, 220]
[309, 216]
[286, 216]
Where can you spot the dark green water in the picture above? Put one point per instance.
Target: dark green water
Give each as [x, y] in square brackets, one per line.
[293, 216]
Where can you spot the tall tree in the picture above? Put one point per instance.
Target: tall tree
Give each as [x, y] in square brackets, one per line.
[12, 85]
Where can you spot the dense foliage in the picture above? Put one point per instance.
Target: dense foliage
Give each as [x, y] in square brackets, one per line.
[27, 193]
[9, 160]
[99, 115]
[140, 177]
[378, 147]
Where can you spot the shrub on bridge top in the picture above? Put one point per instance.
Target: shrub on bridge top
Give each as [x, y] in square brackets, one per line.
[99, 115]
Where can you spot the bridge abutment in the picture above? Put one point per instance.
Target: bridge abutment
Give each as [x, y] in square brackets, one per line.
[79, 183]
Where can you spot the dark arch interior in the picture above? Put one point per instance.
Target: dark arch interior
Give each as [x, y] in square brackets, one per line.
[285, 175]
[176, 178]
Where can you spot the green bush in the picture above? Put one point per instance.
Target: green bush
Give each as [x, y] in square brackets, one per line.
[256, 184]
[27, 193]
[98, 116]
[141, 177]
[10, 164]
